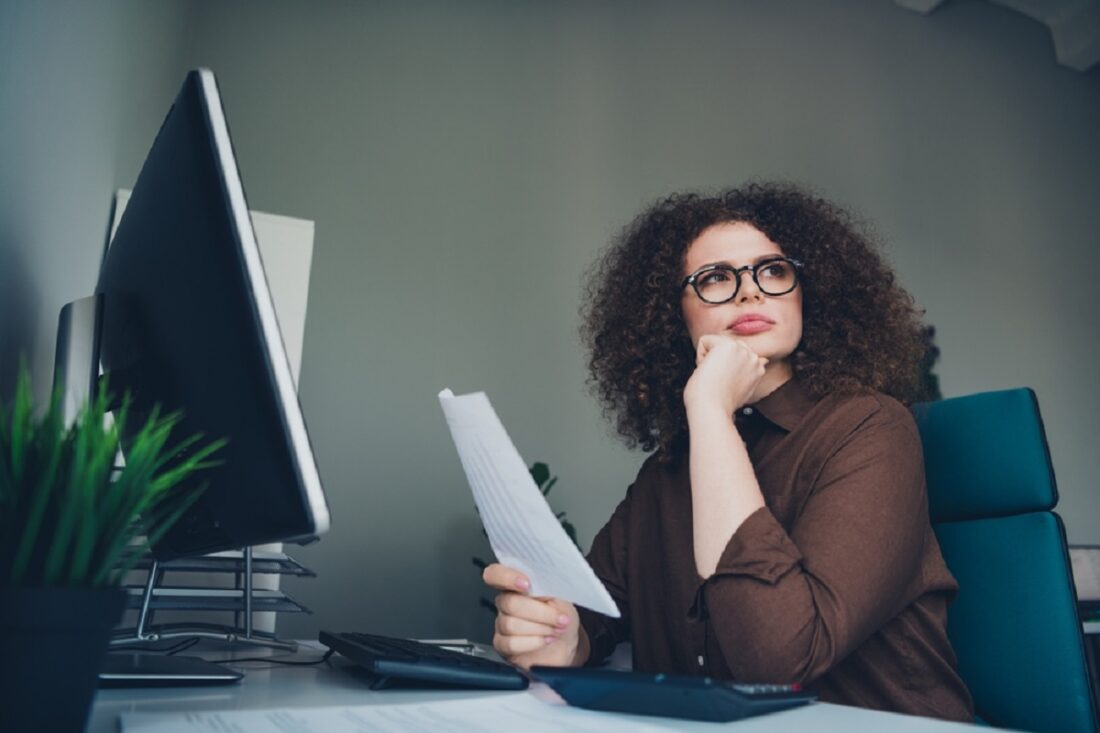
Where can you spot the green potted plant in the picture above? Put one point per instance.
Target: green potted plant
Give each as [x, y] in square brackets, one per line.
[72, 522]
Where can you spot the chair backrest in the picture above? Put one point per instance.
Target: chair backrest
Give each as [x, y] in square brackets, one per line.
[1014, 624]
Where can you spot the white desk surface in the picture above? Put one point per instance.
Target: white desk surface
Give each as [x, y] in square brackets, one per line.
[334, 683]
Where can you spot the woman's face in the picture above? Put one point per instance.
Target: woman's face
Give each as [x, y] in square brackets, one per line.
[771, 325]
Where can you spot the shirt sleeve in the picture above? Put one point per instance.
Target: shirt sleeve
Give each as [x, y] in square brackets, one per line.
[608, 558]
[788, 607]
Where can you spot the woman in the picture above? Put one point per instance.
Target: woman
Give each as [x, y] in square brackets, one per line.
[758, 342]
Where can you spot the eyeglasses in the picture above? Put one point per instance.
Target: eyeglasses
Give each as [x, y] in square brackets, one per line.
[720, 283]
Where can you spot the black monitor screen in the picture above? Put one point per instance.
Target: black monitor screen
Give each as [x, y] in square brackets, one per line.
[189, 324]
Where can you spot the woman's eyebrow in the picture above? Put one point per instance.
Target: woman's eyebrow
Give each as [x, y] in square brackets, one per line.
[726, 263]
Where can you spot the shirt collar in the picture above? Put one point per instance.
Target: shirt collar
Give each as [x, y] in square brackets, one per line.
[787, 405]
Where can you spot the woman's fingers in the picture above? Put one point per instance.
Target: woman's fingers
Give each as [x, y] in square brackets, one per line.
[727, 374]
[515, 626]
[510, 646]
[505, 578]
[531, 609]
[706, 343]
[527, 626]
[735, 348]
[711, 340]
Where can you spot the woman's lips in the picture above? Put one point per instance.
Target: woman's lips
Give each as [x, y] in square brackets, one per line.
[748, 325]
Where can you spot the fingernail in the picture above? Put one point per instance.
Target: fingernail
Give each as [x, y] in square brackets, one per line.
[563, 620]
[549, 640]
[523, 584]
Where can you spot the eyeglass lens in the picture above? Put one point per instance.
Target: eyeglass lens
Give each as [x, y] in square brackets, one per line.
[775, 277]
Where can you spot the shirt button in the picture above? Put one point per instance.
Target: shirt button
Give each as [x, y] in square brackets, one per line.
[747, 411]
[702, 662]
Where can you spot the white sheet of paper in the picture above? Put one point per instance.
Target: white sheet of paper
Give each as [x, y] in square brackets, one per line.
[494, 714]
[522, 711]
[522, 529]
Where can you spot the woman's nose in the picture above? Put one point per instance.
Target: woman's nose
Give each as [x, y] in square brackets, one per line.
[749, 290]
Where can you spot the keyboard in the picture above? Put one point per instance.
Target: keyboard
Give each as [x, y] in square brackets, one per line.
[392, 660]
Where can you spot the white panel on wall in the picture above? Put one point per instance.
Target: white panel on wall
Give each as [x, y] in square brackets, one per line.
[286, 246]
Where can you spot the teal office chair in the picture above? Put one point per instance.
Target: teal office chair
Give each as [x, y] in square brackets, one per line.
[1014, 624]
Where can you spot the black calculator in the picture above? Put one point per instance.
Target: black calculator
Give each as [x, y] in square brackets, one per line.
[670, 696]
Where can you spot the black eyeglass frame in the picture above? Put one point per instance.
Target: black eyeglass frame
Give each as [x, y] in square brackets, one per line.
[693, 278]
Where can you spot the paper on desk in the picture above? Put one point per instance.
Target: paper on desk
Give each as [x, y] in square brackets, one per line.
[522, 529]
[491, 714]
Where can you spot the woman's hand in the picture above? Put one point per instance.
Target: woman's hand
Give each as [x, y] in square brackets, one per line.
[532, 631]
[727, 375]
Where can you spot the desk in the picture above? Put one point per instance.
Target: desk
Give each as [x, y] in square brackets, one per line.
[275, 686]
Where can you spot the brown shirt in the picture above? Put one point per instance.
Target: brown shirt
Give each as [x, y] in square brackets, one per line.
[837, 583]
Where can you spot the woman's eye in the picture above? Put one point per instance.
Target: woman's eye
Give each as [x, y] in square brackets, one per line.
[714, 277]
[775, 270]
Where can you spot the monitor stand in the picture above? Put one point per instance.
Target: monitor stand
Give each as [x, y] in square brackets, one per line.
[160, 668]
[243, 600]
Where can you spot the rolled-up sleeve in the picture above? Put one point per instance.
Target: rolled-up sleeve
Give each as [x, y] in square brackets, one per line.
[787, 606]
[608, 558]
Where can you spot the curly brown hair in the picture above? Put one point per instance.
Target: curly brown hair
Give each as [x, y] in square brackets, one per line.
[861, 329]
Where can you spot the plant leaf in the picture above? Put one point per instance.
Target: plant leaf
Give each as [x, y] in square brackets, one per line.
[68, 514]
[540, 472]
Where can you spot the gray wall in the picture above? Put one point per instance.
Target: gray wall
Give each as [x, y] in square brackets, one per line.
[83, 87]
[465, 162]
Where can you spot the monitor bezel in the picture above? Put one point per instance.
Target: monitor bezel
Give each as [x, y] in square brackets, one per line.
[275, 350]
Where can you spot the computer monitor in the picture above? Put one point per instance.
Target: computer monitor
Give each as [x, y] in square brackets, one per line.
[187, 322]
